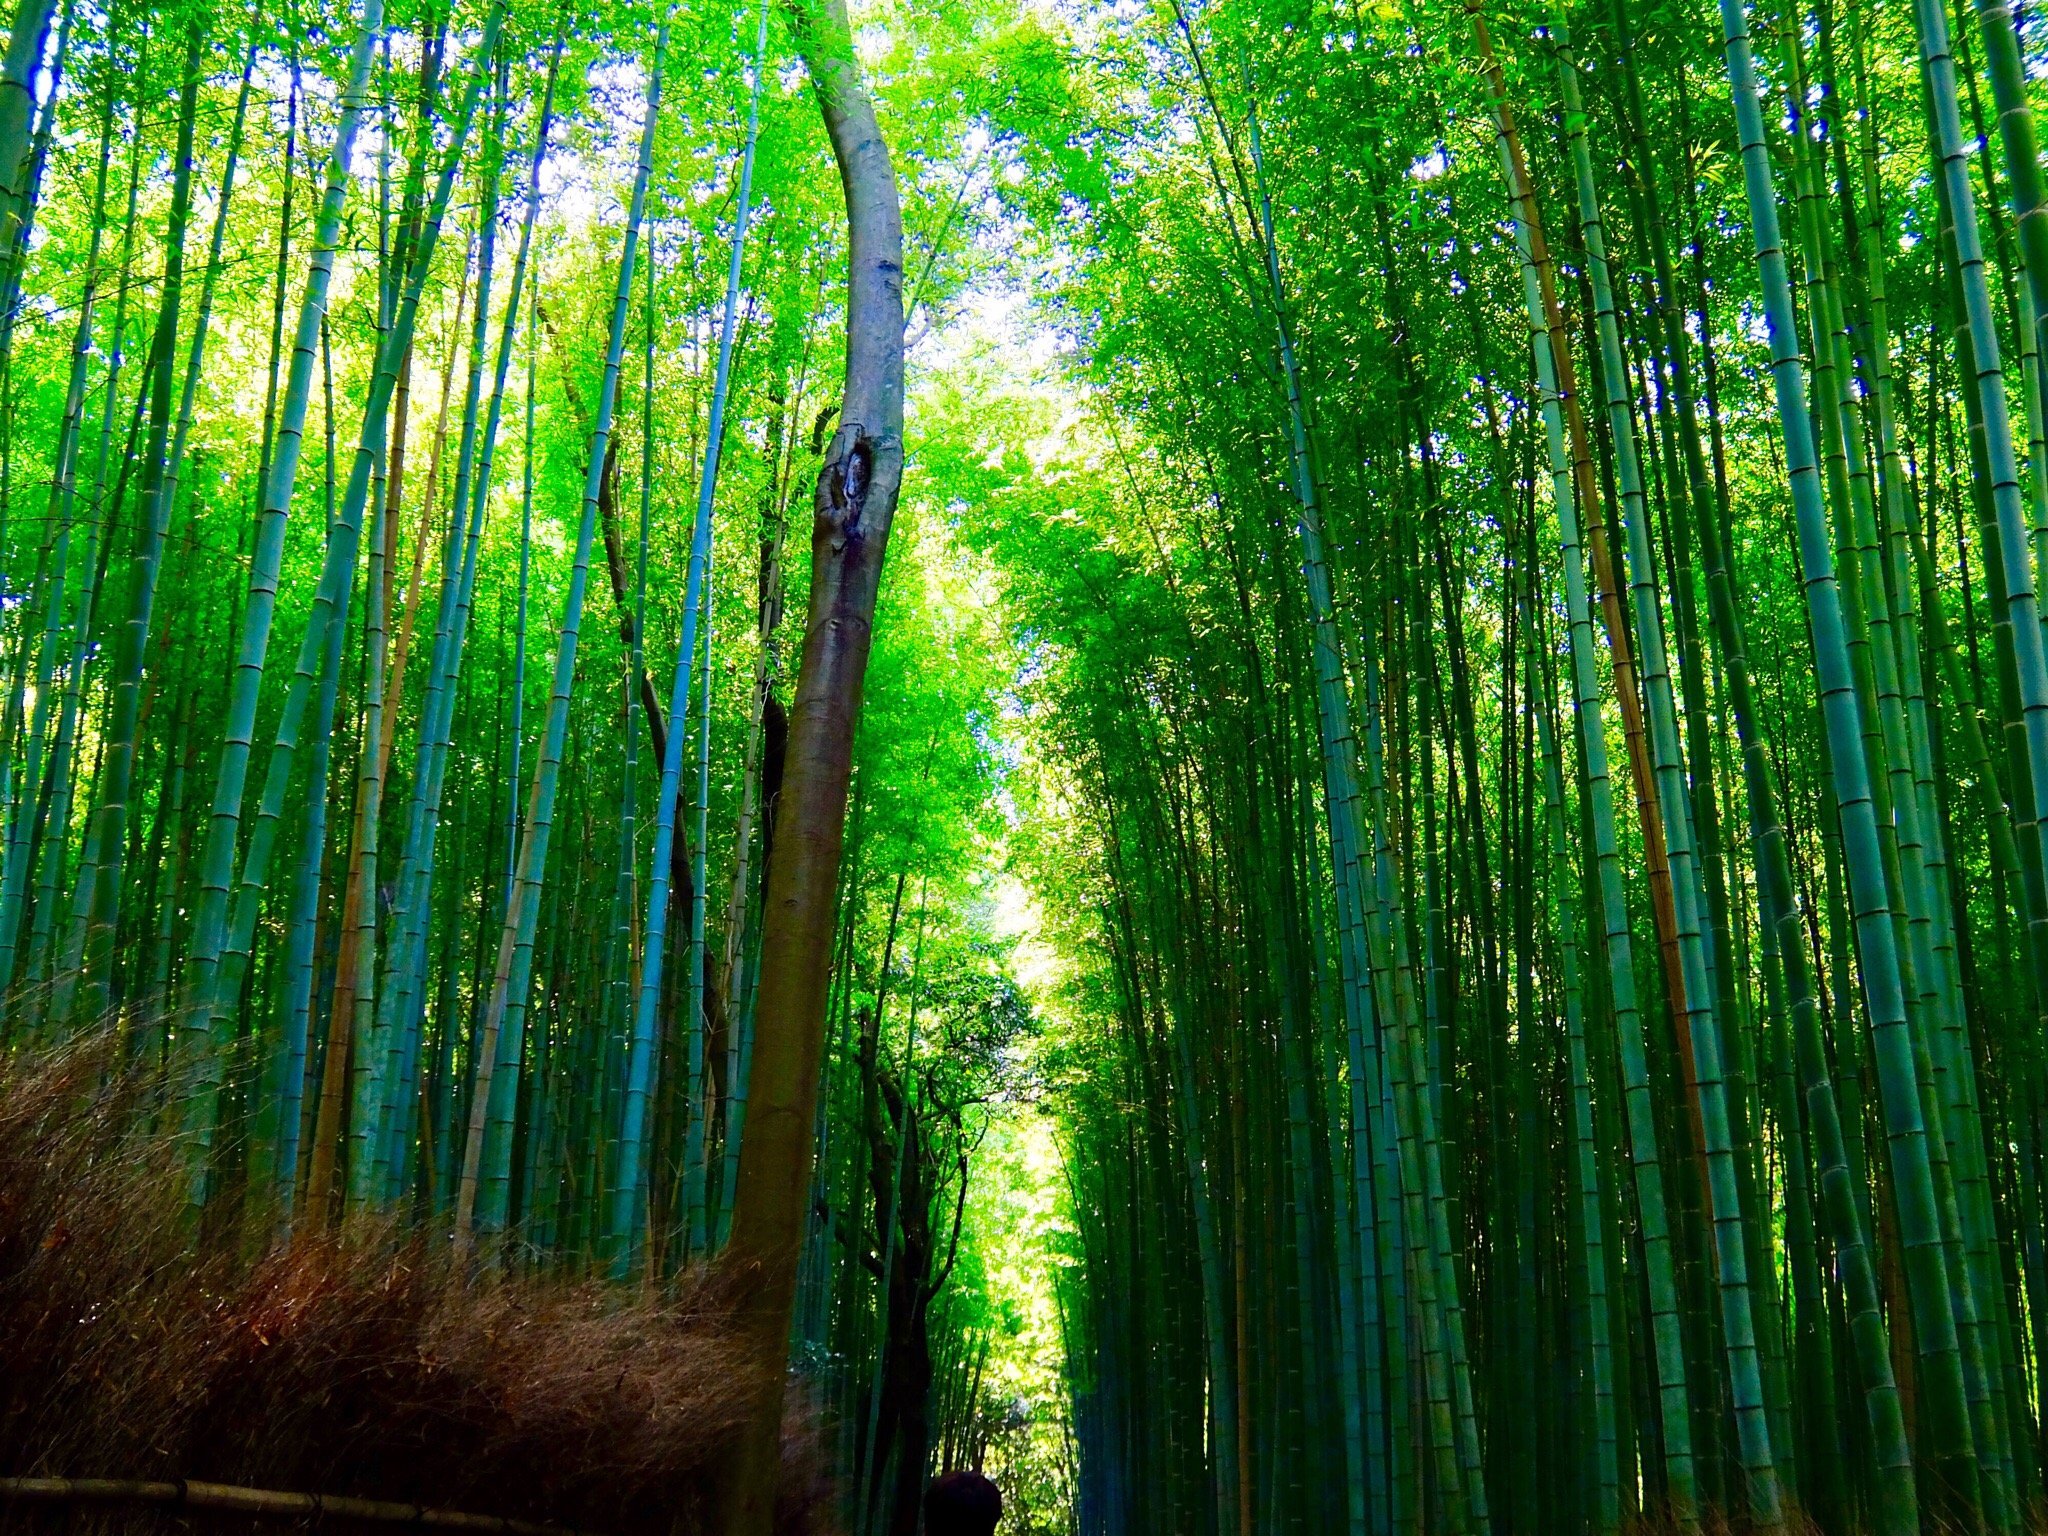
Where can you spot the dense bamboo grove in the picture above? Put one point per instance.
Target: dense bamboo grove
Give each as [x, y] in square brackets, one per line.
[1551, 680]
[1437, 918]
[405, 412]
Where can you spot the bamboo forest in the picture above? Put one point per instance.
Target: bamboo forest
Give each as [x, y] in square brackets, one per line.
[1274, 767]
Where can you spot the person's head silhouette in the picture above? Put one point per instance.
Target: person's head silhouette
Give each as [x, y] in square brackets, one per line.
[961, 1504]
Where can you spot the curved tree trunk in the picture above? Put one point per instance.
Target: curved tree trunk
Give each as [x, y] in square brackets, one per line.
[854, 504]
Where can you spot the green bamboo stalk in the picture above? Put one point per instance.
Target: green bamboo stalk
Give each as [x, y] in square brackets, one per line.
[336, 575]
[43, 958]
[1945, 1420]
[1670, 1367]
[290, 1087]
[282, 460]
[1453, 1435]
[1586, 1161]
[118, 754]
[24, 828]
[17, 104]
[1752, 1414]
[499, 1040]
[406, 971]
[629, 1199]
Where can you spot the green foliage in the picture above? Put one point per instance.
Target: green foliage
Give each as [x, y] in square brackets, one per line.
[1202, 897]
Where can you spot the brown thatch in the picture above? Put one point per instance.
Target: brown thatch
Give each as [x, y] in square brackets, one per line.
[356, 1364]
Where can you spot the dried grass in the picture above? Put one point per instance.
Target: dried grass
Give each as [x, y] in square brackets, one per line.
[356, 1364]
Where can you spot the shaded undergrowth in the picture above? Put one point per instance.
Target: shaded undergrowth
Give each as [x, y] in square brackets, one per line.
[357, 1362]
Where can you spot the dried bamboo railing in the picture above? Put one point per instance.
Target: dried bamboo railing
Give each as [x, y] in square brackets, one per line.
[228, 1499]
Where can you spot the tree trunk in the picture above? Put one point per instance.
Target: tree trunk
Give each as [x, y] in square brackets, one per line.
[854, 504]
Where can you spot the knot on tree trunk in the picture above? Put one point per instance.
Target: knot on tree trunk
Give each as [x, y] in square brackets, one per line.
[844, 481]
